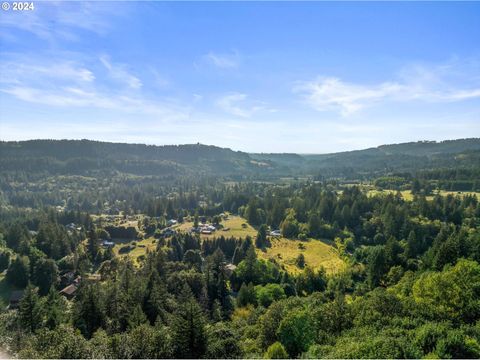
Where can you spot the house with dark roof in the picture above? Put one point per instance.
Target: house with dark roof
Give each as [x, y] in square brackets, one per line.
[69, 291]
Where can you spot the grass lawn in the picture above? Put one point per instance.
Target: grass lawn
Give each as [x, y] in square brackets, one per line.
[317, 253]
[233, 224]
[140, 248]
[407, 195]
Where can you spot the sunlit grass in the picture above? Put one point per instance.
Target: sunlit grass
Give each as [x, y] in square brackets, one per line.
[237, 227]
[317, 253]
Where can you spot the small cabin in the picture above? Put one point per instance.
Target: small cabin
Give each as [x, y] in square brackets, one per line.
[69, 291]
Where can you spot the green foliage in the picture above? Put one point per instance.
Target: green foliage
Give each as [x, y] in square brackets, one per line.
[30, 312]
[269, 293]
[4, 259]
[188, 328]
[451, 294]
[55, 309]
[88, 310]
[261, 239]
[45, 275]
[222, 342]
[300, 261]
[18, 272]
[246, 295]
[60, 343]
[276, 351]
[290, 226]
[405, 291]
[296, 332]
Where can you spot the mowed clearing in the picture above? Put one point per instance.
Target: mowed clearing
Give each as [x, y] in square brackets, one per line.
[408, 196]
[317, 253]
[138, 250]
[234, 226]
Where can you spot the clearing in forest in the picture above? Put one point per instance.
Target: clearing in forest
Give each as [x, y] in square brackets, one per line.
[317, 253]
[233, 226]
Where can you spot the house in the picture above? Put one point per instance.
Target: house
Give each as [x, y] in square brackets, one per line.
[106, 243]
[275, 233]
[67, 278]
[69, 291]
[230, 268]
[71, 226]
[95, 277]
[172, 222]
[15, 299]
[207, 229]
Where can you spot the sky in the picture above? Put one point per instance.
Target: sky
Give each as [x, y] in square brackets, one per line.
[302, 77]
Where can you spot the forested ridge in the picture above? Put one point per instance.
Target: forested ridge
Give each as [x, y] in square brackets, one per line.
[111, 257]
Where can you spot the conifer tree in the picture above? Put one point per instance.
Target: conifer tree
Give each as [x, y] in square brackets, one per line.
[30, 310]
[188, 328]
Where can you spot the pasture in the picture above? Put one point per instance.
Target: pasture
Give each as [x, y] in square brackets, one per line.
[317, 253]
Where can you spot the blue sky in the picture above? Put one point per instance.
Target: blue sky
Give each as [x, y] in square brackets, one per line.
[305, 77]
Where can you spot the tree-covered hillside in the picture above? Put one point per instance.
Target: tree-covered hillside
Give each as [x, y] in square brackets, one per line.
[84, 157]
[263, 258]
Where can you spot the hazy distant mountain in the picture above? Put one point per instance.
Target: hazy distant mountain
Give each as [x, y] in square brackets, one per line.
[84, 156]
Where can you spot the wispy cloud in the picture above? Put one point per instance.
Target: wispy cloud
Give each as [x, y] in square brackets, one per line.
[223, 61]
[238, 104]
[66, 83]
[119, 73]
[413, 83]
[60, 20]
[15, 71]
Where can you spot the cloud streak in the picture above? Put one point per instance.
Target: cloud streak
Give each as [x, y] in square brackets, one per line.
[223, 61]
[119, 73]
[60, 20]
[66, 83]
[417, 83]
[238, 104]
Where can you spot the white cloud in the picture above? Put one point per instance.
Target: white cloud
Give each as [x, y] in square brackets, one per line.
[66, 83]
[238, 104]
[415, 83]
[224, 61]
[119, 73]
[19, 70]
[59, 20]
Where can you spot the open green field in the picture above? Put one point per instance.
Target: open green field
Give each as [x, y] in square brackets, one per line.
[140, 249]
[317, 253]
[234, 226]
[407, 194]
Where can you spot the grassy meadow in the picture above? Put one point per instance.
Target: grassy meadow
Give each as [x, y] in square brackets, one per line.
[317, 253]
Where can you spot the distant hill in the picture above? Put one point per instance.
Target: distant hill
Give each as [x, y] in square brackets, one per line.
[85, 156]
[81, 156]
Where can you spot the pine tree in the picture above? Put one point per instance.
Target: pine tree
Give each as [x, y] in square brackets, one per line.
[92, 244]
[54, 309]
[188, 328]
[155, 298]
[137, 317]
[18, 271]
[261, 239]
[88, 313]
[246, 295]
[30, 310]
[45, 275]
